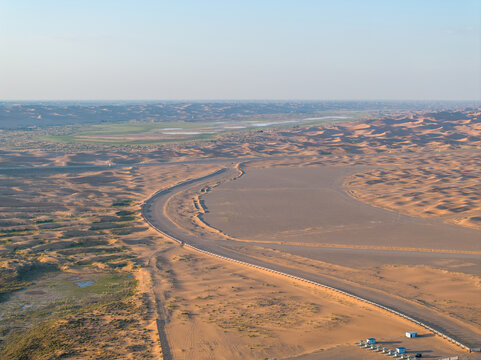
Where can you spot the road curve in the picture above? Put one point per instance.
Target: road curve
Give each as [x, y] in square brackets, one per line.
[153, 212]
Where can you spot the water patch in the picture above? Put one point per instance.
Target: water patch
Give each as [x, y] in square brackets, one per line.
[189, 132]
[326, 117]
[182, 133]
[264, 124]
[85, 283]
[276, 123]
[74, 278]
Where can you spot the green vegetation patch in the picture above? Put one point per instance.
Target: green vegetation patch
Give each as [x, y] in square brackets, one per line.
[122, 203]
[137, 127]
[82, 320]
[21, 274]
[105, 133]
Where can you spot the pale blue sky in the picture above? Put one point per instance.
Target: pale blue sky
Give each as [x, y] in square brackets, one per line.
[263, 49]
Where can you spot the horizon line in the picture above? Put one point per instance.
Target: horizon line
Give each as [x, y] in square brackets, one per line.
[238, 100]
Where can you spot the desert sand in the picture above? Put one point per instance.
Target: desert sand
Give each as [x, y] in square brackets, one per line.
[216, 309]
[445, 187]
[62, 229]
[376, 277]
[211, 299]
[86, 224]
[308, 205]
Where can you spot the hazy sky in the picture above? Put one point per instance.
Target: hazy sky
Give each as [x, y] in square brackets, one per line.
[242, 49]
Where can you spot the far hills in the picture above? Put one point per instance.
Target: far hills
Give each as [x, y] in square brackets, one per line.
[22, 115]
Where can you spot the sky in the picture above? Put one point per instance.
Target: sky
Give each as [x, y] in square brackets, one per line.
[243, 49]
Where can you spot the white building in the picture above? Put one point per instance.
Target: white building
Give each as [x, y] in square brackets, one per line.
[411, 334]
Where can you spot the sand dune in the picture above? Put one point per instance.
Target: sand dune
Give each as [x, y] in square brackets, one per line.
[422, 167]
[412, 132]
[444, 187]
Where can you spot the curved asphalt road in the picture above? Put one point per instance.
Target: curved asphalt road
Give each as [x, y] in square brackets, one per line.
[153, 212]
